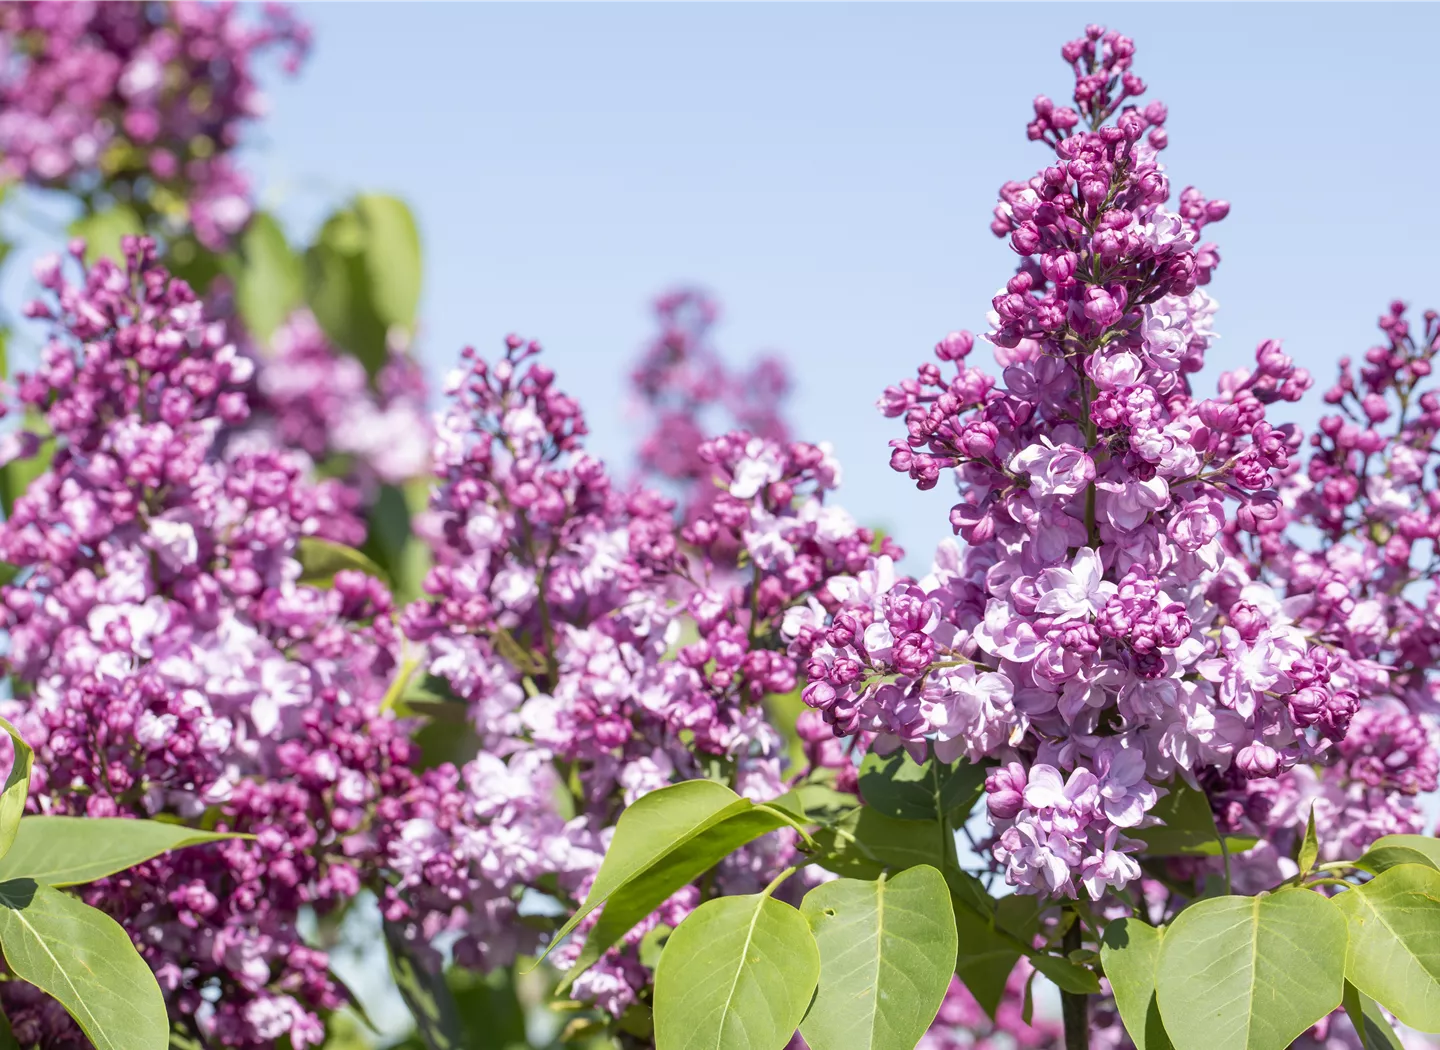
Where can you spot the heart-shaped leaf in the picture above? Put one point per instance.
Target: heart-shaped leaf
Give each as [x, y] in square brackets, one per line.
[1394, 954]
[737, 974]
[898, 787]
[1130, 952]
[887, 953]
[1250, 973]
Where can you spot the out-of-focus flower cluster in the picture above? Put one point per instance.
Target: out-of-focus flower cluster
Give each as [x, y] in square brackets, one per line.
[167, 660]
[311, 396]
[141, 99]
[688, 393]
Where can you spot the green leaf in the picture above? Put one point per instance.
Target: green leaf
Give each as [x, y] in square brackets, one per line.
[887, 953]
[666, 839]
[338, 291]
[16, 790]
[1250, 973]
[816, 803]
[865, 844]
[269, 279]
[1391, 850]
[84, 959]
[7, 1037]
[1189, 827]
[1369, 1022]
[426, 993]
[1394, 953]
[1066, 975]
[1129, 953]
[102, 231]
[69, 851]
[985, 956]
[362, 277]
[489, 1009]
[390, 540]
[1309, 847]
[392, 258]
[321, 559]
[897, 787]
[737, 974]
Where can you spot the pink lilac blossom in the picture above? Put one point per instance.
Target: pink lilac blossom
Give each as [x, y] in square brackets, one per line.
[153, 97]
[315, 398]
[1112, 625]
[166, 660]
[601, 650]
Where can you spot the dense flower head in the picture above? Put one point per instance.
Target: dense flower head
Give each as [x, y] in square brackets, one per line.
[168, 661]
[152, 97]
[1128, 610]
[600, 649]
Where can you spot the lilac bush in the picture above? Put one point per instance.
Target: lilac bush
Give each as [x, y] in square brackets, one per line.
[690, 759]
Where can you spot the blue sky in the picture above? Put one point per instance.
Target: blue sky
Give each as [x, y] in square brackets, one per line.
[829, 171]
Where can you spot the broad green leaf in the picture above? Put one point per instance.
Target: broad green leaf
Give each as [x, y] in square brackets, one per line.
[17, 788]
[985, 957]
[490, 1012]
[102, 231]
[865, 844]
[1309, 846]
[84, 959]
[887, 953]
[1250, 973]
[1390, 850]
[321, 559]
[662, 842]
[816, 803]
[437, 1018]
[391, 542]
[337, 289]
[1066, 975]
[897, 787]
[1189, 827]
[737, 974]
[269, 280]
[392, 258]
[1395, 942]
[69, 851]
[1369, 1021]
[1129, 952]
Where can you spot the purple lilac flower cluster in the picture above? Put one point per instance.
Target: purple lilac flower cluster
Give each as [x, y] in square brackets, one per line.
[1102, 631]
[601, 653]
[683, 384]
[152, 97]
[963, 1025]
[313, 397]
[166, 660]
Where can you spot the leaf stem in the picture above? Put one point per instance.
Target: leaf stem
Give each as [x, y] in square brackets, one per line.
[777, 880]
[1075, 1006]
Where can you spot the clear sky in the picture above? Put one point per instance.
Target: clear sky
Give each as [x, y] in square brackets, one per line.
[829, 171]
